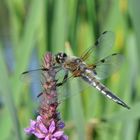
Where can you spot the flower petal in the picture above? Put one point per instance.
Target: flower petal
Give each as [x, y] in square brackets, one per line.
[43, 128]
[28, 130]
[47, 138]
[32, 123]
[53, 139]
[58, 134]
[39, 135]
[64, 137]
[39, 118]
[52, 127]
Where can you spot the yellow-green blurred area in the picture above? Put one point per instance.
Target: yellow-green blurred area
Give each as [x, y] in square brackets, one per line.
[30, 28]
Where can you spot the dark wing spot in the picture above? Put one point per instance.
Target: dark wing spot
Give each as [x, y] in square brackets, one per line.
[96, 43]
[104, 32]
[94, 66]
[114, 54]
[24, 72]
[103, 60]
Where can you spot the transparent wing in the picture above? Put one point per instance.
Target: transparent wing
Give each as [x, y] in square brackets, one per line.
[30, 75]
[36, 76]
[33, 79]
[107, 66]
[77, 84]
[101, 48]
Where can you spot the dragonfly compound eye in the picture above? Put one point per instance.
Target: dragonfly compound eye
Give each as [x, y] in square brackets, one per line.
[60, 57]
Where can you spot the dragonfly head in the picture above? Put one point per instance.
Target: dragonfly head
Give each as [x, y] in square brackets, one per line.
[60, 57]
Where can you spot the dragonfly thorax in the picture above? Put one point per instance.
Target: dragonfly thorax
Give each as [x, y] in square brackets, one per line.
[60, 57]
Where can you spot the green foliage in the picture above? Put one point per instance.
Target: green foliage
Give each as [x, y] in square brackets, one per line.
[34, 27]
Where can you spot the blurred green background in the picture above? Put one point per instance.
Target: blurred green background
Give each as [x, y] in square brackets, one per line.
[30, 28]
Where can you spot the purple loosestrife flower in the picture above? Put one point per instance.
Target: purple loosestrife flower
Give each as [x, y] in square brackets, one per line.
[40, 131]
[48, 125]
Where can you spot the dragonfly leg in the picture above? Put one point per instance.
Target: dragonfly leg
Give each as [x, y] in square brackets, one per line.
[39, 95]
[64, 79]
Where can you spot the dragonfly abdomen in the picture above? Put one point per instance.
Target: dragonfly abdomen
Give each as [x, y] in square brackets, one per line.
[89, 77]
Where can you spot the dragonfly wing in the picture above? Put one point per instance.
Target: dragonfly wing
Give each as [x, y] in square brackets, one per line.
[101, 47]
[77, 85]
[31, 79]
[107, 66]
[31, 76]
[34, 78]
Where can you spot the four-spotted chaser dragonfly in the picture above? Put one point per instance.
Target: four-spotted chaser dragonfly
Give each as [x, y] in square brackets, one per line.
[91, 73]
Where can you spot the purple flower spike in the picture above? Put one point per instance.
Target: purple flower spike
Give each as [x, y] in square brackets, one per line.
[48, 125]
[40, 131]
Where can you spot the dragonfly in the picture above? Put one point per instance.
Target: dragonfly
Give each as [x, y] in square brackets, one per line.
[91, 73]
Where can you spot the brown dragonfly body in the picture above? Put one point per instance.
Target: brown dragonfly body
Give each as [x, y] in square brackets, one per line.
[79, 68]
[91, 72]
